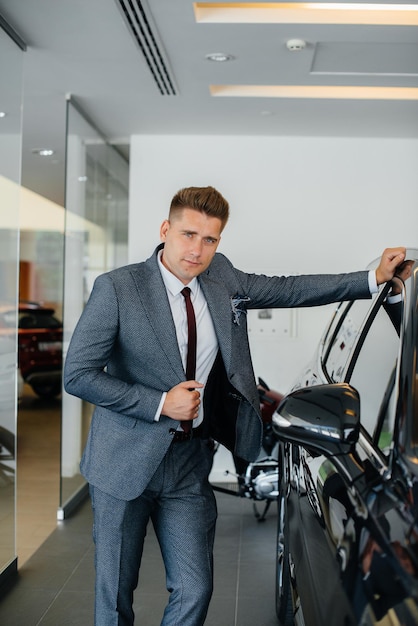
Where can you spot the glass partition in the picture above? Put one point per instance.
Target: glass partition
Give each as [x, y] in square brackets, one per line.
[96, 240]
[11, 70]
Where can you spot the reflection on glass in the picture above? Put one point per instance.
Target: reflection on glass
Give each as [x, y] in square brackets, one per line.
[10, 158]
[96, 237]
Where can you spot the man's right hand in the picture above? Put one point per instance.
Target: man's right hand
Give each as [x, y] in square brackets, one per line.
[182, 402]
[390, 259]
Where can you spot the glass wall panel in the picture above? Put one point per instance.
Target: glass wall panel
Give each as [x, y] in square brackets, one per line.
[11, 70]
[96, 240]
[40, 357]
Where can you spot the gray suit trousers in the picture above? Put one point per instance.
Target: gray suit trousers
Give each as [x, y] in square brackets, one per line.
[182, 507]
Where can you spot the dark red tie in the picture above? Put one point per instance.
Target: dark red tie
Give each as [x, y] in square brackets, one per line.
[191, 345]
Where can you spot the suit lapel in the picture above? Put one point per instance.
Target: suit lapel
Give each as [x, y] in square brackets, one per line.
[153, 296]
[219, 306]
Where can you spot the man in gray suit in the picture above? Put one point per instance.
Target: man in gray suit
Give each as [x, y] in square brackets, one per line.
[128, 355]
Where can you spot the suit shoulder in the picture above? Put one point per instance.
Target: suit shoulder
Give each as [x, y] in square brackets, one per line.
[143, 268]
[220, 262]
[122, 273]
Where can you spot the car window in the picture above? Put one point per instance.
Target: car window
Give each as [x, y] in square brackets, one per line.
[363, 351]
[373, 375]
[342, 337]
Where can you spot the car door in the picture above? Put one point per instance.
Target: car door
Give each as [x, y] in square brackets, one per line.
[364, 353]
[361, 347]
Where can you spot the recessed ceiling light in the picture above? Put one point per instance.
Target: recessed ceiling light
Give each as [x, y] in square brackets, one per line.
[46, 152]
[2, 114]
[219, 57]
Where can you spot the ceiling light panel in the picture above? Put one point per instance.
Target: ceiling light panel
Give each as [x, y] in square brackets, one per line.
[363, 58]
[306, 13]
[343, 92]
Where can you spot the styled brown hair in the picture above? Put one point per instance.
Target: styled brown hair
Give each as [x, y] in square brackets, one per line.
[205, 199]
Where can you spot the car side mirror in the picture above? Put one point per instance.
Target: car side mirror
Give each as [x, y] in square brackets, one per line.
[323, 418]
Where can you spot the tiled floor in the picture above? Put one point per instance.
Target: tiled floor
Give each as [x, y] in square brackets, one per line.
[55, 585]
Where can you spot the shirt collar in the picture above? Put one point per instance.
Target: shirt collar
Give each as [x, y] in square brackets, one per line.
[171, 282]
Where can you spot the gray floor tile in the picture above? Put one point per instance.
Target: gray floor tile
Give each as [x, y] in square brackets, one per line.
[70, 609]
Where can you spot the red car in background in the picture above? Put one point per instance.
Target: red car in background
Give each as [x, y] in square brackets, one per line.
[39, 346]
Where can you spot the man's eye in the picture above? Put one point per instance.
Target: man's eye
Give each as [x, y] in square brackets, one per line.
[210, 240]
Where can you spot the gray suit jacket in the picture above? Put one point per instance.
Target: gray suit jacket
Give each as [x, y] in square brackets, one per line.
[124, 354]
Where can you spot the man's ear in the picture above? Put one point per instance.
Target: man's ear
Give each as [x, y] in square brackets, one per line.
[164, 229]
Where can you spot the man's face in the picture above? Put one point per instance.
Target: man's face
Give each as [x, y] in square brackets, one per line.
[191, 239]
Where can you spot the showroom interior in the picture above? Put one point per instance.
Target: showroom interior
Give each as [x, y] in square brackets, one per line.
[309, 128]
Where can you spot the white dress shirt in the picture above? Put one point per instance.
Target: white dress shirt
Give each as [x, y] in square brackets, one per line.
[207, 343]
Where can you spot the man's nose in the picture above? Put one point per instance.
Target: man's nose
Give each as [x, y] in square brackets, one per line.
[197, 247]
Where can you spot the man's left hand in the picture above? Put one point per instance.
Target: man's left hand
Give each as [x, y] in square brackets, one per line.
[391, 258]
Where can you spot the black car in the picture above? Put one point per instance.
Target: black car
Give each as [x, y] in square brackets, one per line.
[347, 549]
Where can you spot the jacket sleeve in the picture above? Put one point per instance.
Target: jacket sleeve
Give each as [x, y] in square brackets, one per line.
[303, 290]
[90, 349]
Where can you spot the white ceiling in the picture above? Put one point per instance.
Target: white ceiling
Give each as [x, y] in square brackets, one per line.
[84, 47]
